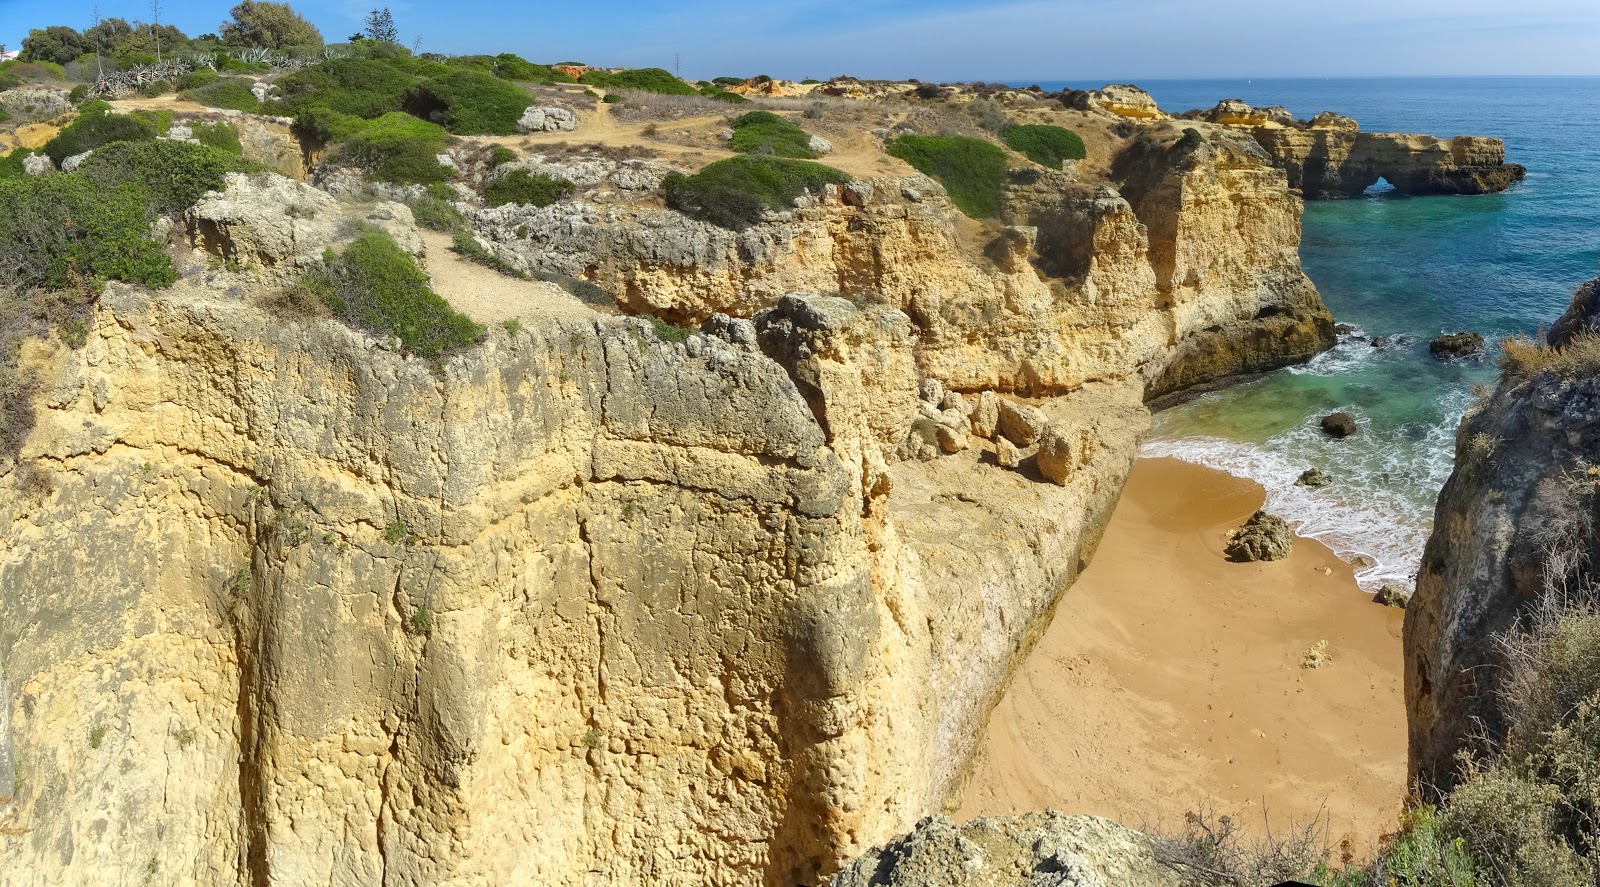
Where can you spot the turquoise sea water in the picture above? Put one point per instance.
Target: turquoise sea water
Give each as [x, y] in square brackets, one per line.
[1407, 269]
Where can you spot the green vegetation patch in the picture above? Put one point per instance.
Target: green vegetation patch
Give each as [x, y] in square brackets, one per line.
[219, 135]
[1045, 145]
[523, 187]
[973, 171]
[172, 175]
[734, 193]
[65, 231]
[357, 87]
[94, 128]
[436, 215]
[469, 103]
[232, 93]
[763, 132]
[645, 79]
[393, 148]
[375, 285]
[11, 164]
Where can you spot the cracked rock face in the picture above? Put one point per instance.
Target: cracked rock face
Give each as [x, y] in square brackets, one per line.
[1523, 466]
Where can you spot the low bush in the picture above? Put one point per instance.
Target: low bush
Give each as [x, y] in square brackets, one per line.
[763, 132]
[522, 187]
[500, 155]
[712, 91]
[1045, 145]
[1522, 357]
[973, 171]
[157, 88]
[11, 165]
[161, 121]
[195, 79]
[359, 87]
[734, 193]
[646, 79]
[467, 246]
[469, 102]
[375, 285]
[393, 148]
[69, 231]
[172, 175]
[232, 93]
[436, 215]
[95, 128]
[219, 135]
[78, 94]
[508, 66]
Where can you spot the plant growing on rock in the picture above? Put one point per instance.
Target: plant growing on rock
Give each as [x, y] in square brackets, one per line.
[522, 187]
[377, 286]
[973, 171]
[93, 129]
[736, 192]
[1045, 145]
[763, 132]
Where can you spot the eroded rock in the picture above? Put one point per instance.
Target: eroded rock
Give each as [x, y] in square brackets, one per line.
[1456, 345]
[1339, 425]
[1264, 537]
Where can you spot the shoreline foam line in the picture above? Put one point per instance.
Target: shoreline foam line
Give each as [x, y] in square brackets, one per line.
[1350, 520]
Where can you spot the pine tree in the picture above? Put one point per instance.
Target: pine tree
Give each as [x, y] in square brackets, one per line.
[380, 26]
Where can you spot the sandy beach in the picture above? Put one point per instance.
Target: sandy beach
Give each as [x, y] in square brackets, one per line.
[1172, 678]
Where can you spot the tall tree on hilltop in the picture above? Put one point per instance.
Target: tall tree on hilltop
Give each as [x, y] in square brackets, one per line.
[380, 26]
[57, 43]
[272, 25]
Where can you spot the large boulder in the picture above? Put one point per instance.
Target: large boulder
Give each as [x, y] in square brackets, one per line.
[547, 120]
[1264, 537]
[1340, 424]
[1056, 459]
[1456, 345]
[1020, 423]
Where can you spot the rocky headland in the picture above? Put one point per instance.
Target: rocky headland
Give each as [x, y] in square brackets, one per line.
[712, 578]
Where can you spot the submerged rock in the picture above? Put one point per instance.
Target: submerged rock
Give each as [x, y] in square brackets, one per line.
[1456, 345]
[1340, 424]
[1314, 477]
[1264, 537]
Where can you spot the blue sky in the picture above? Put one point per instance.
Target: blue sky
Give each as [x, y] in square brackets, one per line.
[961, 39]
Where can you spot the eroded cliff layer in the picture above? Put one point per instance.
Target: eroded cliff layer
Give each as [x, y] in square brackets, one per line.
[1328, 162]
[586, 603]
[1514, 528]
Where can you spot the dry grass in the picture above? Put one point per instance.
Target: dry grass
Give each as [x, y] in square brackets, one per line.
[1212, 852]
[1522, 356]
[638, 106]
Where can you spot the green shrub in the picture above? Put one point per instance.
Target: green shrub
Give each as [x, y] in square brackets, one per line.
[469, 102]
[62, 231]
[523, 187]
[1509, 820]
[357, 87]
[734, 193]
[763, 132]
[222, 136]
[1045, 145]
[467, 246]
[232, 93]
[513, 67]
[713, 91]
[4, 117]
[611, 98]
[436, 215]
[161, 121]
[375, 285]
[11, 165]
[172, 175]
[157, 88]
[1420, 855]
[669, 332]
[197, 78]
[78, 94]
[644, 79]
[93, 129]
[500, 154]
[395, 148]
[972, 170]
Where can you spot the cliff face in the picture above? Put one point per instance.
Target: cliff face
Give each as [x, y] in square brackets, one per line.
[282, 606]
[1329, 162]
[1514, 525]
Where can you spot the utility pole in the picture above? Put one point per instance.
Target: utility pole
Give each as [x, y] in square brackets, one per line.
[155, 26]
[677, 65]
[99, 66]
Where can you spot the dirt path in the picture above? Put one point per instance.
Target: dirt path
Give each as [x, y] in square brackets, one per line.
[487, 296]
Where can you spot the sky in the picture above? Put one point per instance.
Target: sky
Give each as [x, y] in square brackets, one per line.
[1022, 40]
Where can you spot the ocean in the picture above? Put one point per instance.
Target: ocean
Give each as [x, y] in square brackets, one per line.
[1406, 269]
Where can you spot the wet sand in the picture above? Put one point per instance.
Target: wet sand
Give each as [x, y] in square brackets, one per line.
[1172, 678]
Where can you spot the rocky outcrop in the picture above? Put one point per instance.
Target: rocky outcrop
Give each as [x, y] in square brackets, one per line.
[1339, 425]
[1456, 345]
[582, 604]
[547, 120]
[1327, 161]
[1032, 850]
[1264, 537]
[1236, 112]
[1514, 525]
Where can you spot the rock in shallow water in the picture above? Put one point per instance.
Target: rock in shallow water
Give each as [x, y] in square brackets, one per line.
[1393, 596]
[1456, 345]
[1264, 537]
[1339, 424]
[1314, 477]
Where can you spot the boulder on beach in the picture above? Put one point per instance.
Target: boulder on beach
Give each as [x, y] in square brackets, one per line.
[1393, 596]
[1456, 345]
[1340, 424]
[1314, 477]
[1264, 537]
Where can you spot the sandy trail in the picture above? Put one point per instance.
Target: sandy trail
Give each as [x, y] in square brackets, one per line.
[1172, 678]
[487, 296]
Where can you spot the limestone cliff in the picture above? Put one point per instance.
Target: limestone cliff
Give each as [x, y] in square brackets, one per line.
[586, 605]
[1514, 525]
[1331, 162]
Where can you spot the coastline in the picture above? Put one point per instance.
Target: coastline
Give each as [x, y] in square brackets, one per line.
[1175, 681]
